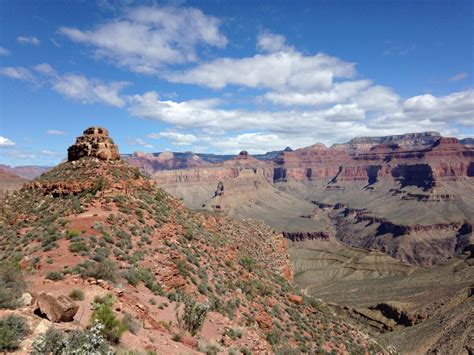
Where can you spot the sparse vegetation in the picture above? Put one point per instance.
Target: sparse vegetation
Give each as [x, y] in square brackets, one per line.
[103, 313]
[193, 316]
[54, 276]
[89, 341]
[13, 329]
[247, 262]
[12, 284]
[77, 295]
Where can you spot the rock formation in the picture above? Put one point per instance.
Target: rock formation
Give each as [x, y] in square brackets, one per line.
[57, 309]
[96, 143]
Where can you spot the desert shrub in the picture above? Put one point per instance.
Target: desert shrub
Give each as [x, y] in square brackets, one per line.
[247, 262]
[132, 324]
[78, 342]
[193, 316]
[71, 233]
[182, 268]
[54, 275]
[77, 247]
[134, 275]
[53, 341]
[103, 270]
[208, 348]
[13, 329]
[12, 284]
[273, 337]
[113, 328]
[233, 333]
[77, 295]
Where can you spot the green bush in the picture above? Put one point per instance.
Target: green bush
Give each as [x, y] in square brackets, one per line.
[248, 263]
[193, 316]
[53, 341]
[113, 328]
[12, 284]
[13, 329]
[73, 233]
[234, 333]
[134, 275]
[54, 275]
[77, 247]
[103, 270]
[77, 295]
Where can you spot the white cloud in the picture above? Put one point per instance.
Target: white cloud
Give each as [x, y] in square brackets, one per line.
[28, 40]
[46, 69]
[297, 128]
[4, 51]
[55, 132]
[18, 73]
[205, 114]
[146, 38]
[340, 92]
[459, 76]
[5, 142]
[456, 107]
[140, 142]
[84, 90]
[271, 42]
[73, 86]
[282, 70]
[176, 138]
[377, 98]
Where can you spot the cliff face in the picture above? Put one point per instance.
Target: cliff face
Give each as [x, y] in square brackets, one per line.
[421, 167]
[409, 186]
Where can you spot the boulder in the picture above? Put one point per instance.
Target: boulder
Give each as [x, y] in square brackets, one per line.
[56, 309]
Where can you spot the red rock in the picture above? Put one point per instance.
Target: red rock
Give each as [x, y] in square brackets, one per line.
[295, 299]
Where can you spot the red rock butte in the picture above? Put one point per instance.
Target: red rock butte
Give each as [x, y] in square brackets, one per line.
[95, 143]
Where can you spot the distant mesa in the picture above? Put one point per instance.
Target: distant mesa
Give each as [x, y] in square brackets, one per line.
[94, 143]
[244, 153]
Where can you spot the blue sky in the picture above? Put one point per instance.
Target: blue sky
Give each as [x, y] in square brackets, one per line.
[223, 76]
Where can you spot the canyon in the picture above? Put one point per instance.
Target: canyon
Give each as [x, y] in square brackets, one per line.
[366, 229]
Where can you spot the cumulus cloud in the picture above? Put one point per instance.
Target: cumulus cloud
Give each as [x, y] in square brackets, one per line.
[271, 42]
[457, 107]
[5, 142]
[18, 73]
[178, 139]
[73, 86]
[56, 132]
[4, 51]
[377, 98]
[336, 123]
[84, 90]
[32, 40]
[146, 38]
[338, 93]
[281, 70]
